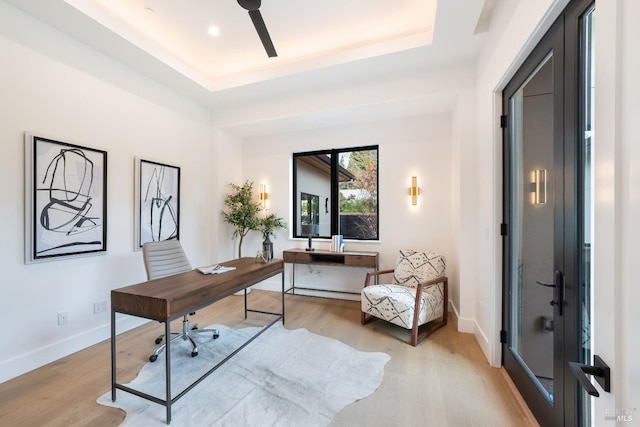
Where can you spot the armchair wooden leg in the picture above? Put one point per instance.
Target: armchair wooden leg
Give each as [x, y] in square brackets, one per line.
[364, 318]
[416, 335]
[445, 303]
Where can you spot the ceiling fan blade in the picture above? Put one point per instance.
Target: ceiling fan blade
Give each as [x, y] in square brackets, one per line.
[250, 4]
[261, 28]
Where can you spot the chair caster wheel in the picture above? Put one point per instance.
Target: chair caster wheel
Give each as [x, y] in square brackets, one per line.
[153, 358]
[195, 328]
[194, 353]
[215, 336]
[158, 340]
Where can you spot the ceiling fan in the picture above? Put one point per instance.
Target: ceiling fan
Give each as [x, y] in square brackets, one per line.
[253, 7]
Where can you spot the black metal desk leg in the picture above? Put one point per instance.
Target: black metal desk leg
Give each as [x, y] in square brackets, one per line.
[245, 303]
[283, 297]
[167, 353]
[113, 356]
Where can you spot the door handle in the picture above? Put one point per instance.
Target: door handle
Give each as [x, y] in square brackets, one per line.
[548, 285]
[558, 285]
[600, 370]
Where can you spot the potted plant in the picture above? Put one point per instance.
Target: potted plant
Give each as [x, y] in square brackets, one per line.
[241, 211]
[267, 226]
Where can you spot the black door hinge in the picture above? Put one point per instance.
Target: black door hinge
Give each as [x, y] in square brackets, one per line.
[503, 121]
[504, 230]
[503, 337]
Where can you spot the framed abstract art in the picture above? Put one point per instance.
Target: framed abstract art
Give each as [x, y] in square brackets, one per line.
[157, 212]
[65, 199]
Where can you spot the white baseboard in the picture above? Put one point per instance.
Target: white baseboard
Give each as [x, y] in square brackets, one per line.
[470, 326]
[24, 363]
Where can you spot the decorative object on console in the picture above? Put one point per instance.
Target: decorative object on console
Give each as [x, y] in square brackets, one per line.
[310, 230]
[262, 257]
[267, 226]
[417, 296]
[65, 199]
[241, 211]
[337, 243]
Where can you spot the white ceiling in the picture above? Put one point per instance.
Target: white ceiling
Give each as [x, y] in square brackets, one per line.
[321, 41]
[306, 33]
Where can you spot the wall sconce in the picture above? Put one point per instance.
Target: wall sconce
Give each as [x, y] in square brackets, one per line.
[263, 195]
[540, 186]
[414, 190]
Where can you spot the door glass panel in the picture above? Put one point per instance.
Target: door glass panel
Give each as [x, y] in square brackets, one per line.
[532, 225]
[587, 99]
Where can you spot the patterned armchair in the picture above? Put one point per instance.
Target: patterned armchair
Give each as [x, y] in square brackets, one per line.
[416, 298]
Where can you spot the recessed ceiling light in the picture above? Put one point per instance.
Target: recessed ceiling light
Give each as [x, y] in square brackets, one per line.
[213, 30]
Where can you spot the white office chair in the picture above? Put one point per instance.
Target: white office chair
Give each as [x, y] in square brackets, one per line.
[162, 259]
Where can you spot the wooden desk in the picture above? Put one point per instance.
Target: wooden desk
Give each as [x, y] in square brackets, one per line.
[171, 297]
[340, 259]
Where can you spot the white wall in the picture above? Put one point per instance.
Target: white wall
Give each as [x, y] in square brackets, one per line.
[228, 169]
[449, 90]
[627, 389]
[515, 29]
[419, 146]
[465, 168]
[617, 207]
[56, 86]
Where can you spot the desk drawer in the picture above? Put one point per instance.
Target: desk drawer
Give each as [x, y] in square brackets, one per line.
[356, 260]
[296, 257]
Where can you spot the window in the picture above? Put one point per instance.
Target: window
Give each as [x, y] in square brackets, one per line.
[309, 209]
[336, 192]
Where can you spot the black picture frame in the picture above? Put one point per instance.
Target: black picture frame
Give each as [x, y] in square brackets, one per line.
[65, 198]
[157, 211]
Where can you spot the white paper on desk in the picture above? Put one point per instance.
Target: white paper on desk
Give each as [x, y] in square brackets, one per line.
[215, 269]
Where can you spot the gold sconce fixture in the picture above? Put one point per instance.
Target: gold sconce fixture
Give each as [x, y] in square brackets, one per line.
[414, 190]
[263, 195]
[540, 186]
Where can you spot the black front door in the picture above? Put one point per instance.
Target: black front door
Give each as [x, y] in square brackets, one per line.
[544, 215]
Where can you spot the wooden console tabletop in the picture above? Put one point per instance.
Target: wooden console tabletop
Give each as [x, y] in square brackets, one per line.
[171, 297]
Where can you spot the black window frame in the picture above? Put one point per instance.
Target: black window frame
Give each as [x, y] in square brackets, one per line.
[331, 204]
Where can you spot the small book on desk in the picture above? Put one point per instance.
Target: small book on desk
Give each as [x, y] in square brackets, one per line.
[215, 269]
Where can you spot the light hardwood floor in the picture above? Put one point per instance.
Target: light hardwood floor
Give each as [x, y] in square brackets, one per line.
[444, 381]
